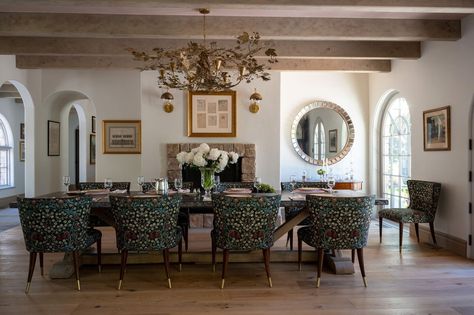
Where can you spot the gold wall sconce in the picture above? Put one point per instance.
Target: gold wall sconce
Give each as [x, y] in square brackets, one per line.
[255, 99]
[167, 97]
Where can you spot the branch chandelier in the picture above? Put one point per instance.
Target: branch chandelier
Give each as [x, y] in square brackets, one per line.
[201, 67]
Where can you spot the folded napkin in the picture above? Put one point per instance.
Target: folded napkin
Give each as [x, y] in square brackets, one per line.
[239, 191]
[183, 191]
[118, 191]
[308, 190]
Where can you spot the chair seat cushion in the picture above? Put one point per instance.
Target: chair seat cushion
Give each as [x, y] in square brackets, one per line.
[406, 215]
[93, 236]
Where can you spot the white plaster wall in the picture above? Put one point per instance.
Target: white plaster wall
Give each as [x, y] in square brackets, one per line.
[262, 128]
[14, 114]
[442, 76]
[350, 91]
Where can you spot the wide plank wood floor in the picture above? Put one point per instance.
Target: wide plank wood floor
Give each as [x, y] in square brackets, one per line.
[422, 280]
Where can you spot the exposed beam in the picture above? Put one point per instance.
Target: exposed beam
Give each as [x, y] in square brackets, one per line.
[285, 49]
[130, 26]
[36, 62]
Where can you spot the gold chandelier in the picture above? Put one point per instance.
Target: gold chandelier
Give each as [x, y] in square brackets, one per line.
[199, 67]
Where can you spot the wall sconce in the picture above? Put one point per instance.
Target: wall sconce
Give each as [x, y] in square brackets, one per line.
[255, 99]
[167, 105]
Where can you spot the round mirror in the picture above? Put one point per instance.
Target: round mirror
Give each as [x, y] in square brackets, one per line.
[322, 130]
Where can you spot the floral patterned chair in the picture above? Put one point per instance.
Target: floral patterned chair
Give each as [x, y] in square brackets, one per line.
[100, 185]
[337, 223]
[290, 213]
[147, 223]
[53, 225]
[223, 186]
[424, 198]
[244, 223]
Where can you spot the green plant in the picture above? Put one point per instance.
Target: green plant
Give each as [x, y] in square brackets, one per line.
[321, 171]
[265, 188]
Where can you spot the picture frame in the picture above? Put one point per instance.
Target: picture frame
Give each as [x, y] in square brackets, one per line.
[333, 140]
[212, 114]
[93, 124]
[54, 138]
[121, 136]
[22, 131]
[437, 129]
[92, 146]
[21, 148]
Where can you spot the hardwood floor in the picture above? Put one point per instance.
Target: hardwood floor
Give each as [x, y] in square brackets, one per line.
[422, 280]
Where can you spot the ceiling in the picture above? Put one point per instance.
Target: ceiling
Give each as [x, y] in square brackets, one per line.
[336, 35]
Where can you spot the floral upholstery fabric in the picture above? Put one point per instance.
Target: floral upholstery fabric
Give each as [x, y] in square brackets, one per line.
[286, 186]
[146, 223]
[338, 223]
[424, 198]
[56, 224]
[244, 223]
[149, 186]
[223, 186]
[99, 185]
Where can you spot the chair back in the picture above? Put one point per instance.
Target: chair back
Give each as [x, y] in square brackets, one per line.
[286, 186]
[424, 196]
[245, 223]
[145, 223]
[223, 186]
[340, 222]
[148, 186]
[100, 185]
[55, 224]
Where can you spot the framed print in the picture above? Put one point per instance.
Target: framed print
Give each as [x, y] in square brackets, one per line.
[22, 131]
[22, 151]
[333, 140]
[92, 150]
[93, 124]
[212, 114]
[437, 129]
[53, 138]
[122, 136]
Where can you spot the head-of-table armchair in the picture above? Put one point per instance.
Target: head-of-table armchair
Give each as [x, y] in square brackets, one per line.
[146, 223]
[337, 223]
[53, 225]
[244, 223]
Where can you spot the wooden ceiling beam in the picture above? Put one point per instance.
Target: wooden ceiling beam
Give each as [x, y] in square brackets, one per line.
[281, 28]
[284, 49]
[90, 62]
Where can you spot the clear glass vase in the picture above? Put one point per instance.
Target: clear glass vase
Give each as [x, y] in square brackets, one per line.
[207, 180]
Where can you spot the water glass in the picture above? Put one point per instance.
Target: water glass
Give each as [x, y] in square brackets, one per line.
[141, 181]
[67, 182]
[303, 176]
[178, 184]
[256, 183]
[331, 183]
[108, 183]
[293, 182]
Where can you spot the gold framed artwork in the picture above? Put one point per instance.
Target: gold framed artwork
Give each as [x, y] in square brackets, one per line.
[53, 138]
[121, 136]
[212, 114]
[92, 149]
[437, 129]
[22, 151]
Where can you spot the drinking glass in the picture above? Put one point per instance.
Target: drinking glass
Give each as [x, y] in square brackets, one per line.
[67, 182]
[303, 176]
[293, 182]
[217, 181]
[108, 183]
[256, 183]
[331, 183]
[141, 181]
[178, 184]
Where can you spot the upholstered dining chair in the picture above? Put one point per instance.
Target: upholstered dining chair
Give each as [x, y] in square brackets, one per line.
[291, 212]
[100, 185]
[223, 186]
[337, 223]
[53, 225]
[147, 223]
[244, 223]
[424, 196]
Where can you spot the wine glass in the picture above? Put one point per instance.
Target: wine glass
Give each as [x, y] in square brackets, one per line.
[217, 181]
[141, 181]
[331, 183]
[178, 184]
[293, 182]
[303, 176]
[256, 183]
[108, 183]
[67, 182]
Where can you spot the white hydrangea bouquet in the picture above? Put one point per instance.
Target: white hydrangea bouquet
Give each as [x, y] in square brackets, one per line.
[209, 161]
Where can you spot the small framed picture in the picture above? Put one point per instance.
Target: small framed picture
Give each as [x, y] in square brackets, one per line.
[93, 124]
[122, 136]
[92, 150]
[333, 140]
[22, 151]
[53, 138]
[437, 129]
[22, 131]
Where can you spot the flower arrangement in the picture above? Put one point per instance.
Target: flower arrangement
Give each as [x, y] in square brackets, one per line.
[205, 157]
[321, 172]
[265, 188]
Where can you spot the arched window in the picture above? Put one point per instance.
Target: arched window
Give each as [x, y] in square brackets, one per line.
[396, 152]
[5, 153]
[319, 141]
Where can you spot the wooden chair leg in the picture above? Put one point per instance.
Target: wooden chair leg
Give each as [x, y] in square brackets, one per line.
[360, 258]
[185, 236]
[225, 260]
[41, 263]
[433, 232]
[380, 229]
[266, 259]
[31, 269]
[300, 250]
[75, 257]
[353, 255]
[180, 254]
[417, 232]
[166, 259]
[289, 239]
[320, 252]
[99, 254]
[123, 264]
[400, 241]
[213, 246]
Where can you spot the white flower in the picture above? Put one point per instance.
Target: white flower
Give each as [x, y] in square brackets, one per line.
[189, 157]
[199, 160]
[214, 154]
[181, 157]
[224, 159]
[204, 148]
[234, 157]
[195, 150]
